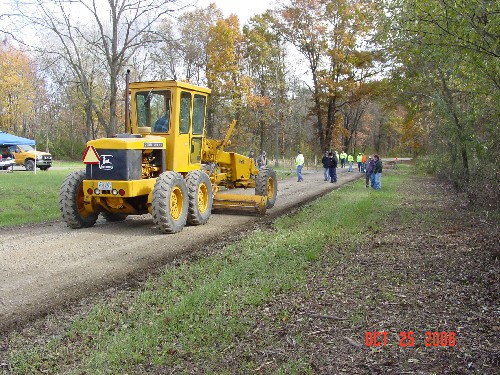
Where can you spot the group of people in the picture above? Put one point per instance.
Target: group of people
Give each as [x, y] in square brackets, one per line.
[371, 166]
[330, 163]
[360, 159]
[373, 172]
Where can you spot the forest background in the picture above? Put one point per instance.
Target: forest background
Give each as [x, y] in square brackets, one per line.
[413, 78]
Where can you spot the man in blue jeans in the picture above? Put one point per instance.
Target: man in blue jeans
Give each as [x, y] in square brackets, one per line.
[377, 173]
[299, 163]
[332, 167]
[326, 166]
[370, 164]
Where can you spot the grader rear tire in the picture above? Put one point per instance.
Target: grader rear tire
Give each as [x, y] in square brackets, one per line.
[266, 185]
[170, 202]
[200, 197]
[71, 204]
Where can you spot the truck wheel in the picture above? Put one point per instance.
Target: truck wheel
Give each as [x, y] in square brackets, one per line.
[170, 202]
[266, 185]
[200, 197]
[113, 216]
[71, 204]
[29, 165]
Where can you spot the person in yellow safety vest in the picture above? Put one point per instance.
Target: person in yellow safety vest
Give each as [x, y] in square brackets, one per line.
[359, 159]
[342, 158]
[299, 163]
[350, 160]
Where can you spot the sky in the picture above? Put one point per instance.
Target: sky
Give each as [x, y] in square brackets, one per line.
[244, 9]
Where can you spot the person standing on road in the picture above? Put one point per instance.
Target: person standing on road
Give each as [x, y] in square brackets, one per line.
[262, 160]
[377, 173]
[332, 167]
[363, 163]
[251, 155]
[350, 160]
[325, 162]
[370, 164]
[342, 158]
[299, 163]
[359, 159]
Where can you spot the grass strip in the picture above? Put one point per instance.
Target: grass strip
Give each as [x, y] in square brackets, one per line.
[27, 197]
[192, 313]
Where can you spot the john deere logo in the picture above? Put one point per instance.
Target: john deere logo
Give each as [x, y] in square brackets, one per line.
[106, 162]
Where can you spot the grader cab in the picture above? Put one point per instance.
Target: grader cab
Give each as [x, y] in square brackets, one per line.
[164, 166]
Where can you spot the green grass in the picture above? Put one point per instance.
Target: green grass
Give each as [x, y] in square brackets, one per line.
[193, 313]
[28, 197]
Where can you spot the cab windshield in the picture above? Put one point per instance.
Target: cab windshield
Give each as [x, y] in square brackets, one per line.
[153, 110]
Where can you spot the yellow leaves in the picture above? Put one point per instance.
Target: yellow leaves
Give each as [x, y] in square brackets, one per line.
[18, 87]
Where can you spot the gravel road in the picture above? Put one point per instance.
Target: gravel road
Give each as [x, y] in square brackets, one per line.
[48, 266]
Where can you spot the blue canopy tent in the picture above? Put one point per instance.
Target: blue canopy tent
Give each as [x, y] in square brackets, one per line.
[7, 139]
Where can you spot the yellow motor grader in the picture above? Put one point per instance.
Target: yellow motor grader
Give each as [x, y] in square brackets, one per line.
[163, 165]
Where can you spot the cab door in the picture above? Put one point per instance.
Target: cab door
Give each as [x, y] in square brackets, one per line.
[199, 110]
[183, 139]
[191, 127]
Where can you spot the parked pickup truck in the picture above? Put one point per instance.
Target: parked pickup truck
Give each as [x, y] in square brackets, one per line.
[28, 157]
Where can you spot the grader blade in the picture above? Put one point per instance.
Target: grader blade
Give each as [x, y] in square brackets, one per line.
[240, 202]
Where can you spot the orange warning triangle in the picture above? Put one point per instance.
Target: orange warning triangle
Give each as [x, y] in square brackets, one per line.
[90, 157]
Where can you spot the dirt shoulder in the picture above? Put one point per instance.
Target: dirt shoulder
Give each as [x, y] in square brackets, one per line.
[411, 277]
[45, 267]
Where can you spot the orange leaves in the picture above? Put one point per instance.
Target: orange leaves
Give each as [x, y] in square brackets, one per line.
[258, 102]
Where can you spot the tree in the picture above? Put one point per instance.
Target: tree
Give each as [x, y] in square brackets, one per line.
[224, 76]
[182, 52]
[22, 94]
[265, 64]
[116, 31]
[447, 67]
[332, 36]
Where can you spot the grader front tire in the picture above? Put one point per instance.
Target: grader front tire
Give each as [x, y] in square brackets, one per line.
[170, 202]
[266, 184]
[200, 197]
[71, 204]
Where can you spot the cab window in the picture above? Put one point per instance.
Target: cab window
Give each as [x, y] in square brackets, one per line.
[198, 114]
[185, 112]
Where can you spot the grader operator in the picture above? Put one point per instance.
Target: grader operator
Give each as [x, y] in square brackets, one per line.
[164, 166]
